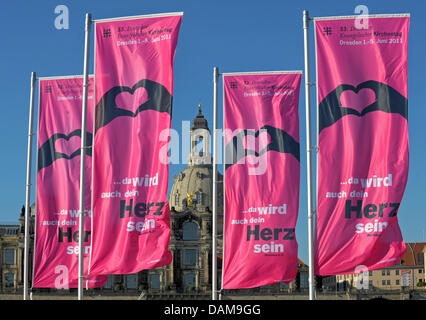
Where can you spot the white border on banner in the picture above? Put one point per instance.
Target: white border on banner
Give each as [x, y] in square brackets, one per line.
[94, 22]
[223, 179]
[315, 215]
[155, 15]
[395, 15]
[35, 185]
[315, 19]
[224, 144]
[260, 73]
[91, 76]
[63, 77]
[89, 265]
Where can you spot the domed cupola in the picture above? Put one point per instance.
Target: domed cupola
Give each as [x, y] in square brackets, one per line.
[200, 141]
[200, 122]
[193, 187]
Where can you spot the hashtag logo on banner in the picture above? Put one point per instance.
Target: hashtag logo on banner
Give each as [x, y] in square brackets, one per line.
[326, 31]
[233, 85]
[107, 33]
[48, 89]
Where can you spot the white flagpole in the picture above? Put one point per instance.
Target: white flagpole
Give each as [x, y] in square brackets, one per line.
[214, 222]
[83, 155]
[309, 155]
[28, 188]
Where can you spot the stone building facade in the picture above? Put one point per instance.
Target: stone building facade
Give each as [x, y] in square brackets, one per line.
[12, 255]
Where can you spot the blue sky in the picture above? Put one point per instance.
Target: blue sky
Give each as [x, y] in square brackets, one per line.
[232, 35]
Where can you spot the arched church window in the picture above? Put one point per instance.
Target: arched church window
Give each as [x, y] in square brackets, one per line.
[190, 231]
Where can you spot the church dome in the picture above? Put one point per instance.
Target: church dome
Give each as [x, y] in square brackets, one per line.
[195, 183]
[193, 187]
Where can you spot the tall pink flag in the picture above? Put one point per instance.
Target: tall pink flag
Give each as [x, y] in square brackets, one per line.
[134, 90]
[58, 184]
[363, 141]
[262, 173]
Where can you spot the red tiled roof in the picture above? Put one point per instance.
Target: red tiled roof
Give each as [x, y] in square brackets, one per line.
[410, 258]
[300, 262]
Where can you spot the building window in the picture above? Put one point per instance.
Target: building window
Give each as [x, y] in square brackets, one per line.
[155, 281]
[370, 273]
[304, 281]
[420, 259]
[397, 282]
[190, 231]
[200, 146]
[189, 281]
[370, 283]
[190, 257]
[11, 231]
[383, 282]
[420, 271]
[199, 198]
[177, 199]
[131, 281]
[388, 282]
[9, 256]
[383, 272]
[388, 272]
[397, 272]
[9, 279]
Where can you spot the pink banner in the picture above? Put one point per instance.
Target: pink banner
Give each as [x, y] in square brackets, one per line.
[134, 88]
[261, 178]
[363, 142]
[58, 185]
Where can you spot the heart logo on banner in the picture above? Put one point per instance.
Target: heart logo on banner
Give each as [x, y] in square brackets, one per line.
[131, 100]
[357, 99]
[68, 145]
[266, 139]
[62, 146]
[254, 142]
[122, 101]
[346, 99]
